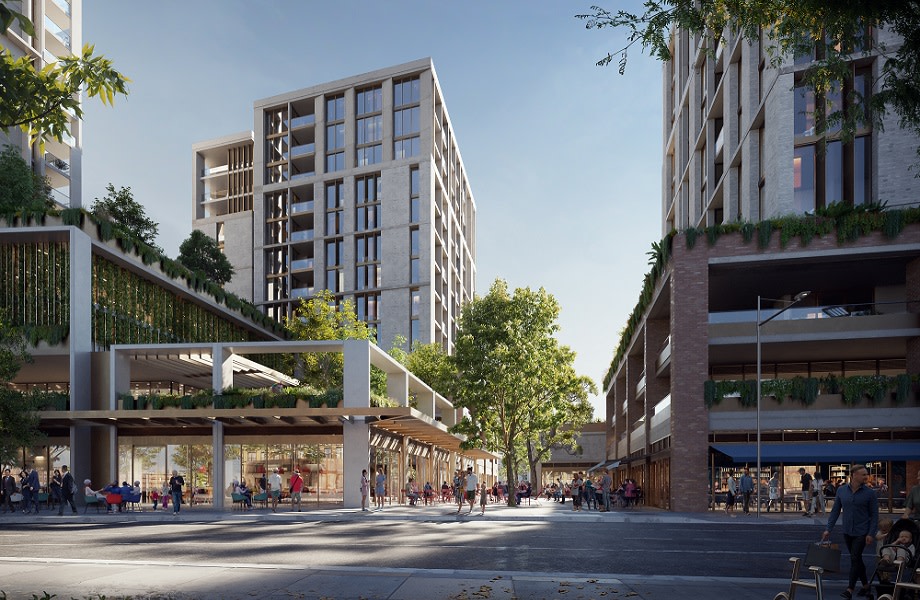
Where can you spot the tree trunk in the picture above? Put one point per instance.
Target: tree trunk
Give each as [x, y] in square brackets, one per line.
[510, 461]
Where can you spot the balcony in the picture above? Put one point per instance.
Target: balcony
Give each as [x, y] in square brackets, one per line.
[664, 357]
[302, 292]
[640, 387]
[56, 163]
[660, 426]
[302, 264]
[302, 236]
[218, 170]
[637, 438]
[304, 175]
[302, 207]
[60, 34]
[303, 150]
[303, 121]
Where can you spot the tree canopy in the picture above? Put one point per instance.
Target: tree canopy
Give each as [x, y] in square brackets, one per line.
[322, 318]
[21, 190]
[834, 32]
[18, 419]
[200, 252]
[513, 376]
[43, 101]
[128, 215]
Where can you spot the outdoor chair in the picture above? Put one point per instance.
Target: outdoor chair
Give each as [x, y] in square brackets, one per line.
[91, 501]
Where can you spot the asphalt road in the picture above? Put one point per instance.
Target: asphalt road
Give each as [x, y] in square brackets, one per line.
[739, 548]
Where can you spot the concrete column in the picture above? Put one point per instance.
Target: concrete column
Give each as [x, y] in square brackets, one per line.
[221, 368]
[217, 464]
[356, 439]
[81, 346]
[426, 403]
[398, 387]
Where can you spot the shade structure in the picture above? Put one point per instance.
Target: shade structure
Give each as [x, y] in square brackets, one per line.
[808, 453]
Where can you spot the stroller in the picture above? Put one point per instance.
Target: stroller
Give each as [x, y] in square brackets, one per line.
[886, 573]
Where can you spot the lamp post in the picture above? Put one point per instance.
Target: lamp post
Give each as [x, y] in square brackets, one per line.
[798, 298]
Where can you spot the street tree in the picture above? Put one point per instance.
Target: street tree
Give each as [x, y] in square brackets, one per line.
[323, 318]
[428, 362]
[566, 408]
[42, 101]
[21, 190]
[128, 215]
[200, 252]
[512, 373]
[835, 33]
[18, 417]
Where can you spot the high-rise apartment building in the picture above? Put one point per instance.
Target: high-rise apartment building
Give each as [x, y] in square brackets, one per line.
[58, 33]
[356, 186]
[744, 170]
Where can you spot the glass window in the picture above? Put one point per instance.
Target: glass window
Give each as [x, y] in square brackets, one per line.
[334, 194]
[335, 136]
[862, 170]
[335, 108]
[803, 176]
[368, 101]
[370, 129]
[369, 155]
[406, 122]
[415, 332]
[406, 92]
[833, 173]
[416, 302]
[414, 266]
[414, 242]
[804, 119]
[406, 148]
[335, 162]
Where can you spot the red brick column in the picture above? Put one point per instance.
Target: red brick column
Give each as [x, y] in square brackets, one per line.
[689, 369]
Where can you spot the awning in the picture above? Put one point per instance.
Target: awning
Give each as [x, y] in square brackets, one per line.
[604, 465]
[809, 453]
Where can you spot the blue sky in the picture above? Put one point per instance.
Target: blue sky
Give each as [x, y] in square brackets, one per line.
[563, 157]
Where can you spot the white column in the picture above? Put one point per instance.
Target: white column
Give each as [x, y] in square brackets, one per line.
[398, 388]
[356, 439]
[222, 368]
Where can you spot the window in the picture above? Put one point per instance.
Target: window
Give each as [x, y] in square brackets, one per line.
[335, 215]
[414, 200]
[367, 307]
[406, 119]
[367, 262]
[367, 200]
[335, 133]
[369, 127]
[827, 169]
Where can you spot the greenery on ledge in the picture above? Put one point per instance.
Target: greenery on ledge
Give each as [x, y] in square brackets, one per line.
[236, 398]
[847, 223]
[854, 390]
[107, 231]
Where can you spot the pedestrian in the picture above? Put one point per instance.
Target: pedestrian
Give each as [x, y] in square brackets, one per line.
[155, 497]
[483, 498]
[817, 493]
[380, 487]
[7, 488]
[859, 505]
[472, 486]
[34, 488]
[630, 491]
[274, 488]
[577, 484]
[773, 485]
[805, 480]
[55, 496]
[731, 488]
[296, 489]
[68, 489]
[606, 483]
[458, 489]
[175, 490]
[365, 489]
[747, 486]
[911, 505]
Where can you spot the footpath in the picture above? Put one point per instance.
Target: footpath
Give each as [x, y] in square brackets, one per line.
[87, 578]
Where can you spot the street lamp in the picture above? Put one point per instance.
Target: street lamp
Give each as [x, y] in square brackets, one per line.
[798, 298]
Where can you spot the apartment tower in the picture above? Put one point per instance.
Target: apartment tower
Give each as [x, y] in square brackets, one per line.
[356, 186]
[58, 33]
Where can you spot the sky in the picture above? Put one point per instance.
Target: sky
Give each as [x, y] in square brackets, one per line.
[563, 157]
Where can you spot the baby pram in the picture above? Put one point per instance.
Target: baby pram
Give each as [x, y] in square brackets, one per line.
[886, 573]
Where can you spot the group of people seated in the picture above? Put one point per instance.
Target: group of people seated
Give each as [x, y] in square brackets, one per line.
[240, 488]
[115, 496]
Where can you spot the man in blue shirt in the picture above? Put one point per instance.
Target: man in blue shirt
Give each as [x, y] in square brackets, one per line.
[859, 505]
[747, 486]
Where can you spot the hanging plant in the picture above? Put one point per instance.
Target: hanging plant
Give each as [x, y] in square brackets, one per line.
[879, 388]
[747, 232]
[712, 234]
[72, 216]
[691, 235]
[764, 233]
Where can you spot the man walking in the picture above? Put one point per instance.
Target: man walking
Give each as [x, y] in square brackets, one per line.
[806, 491]
[68, 487]
[606, 482]
[175, 490]
[472, 486]
[859, 505]
[8, 487]
[296, 489]
[34, 487]
[747, 486]
[274, 485]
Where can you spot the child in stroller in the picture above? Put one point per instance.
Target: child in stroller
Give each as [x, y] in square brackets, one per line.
[898, 543]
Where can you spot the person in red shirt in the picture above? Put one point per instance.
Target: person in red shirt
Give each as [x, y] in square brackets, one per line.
[296, 489]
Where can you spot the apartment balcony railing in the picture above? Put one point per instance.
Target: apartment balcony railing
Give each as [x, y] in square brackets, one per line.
[304, 175]
[637, 438]
[303, 121]
[301, 207]
[303, 150]
[302, 292]
[215, 170]
[640, 387]
[665, 355]
[63, 5]
[56, 162]
[302, 236]
[302, 264]
[55, 30]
